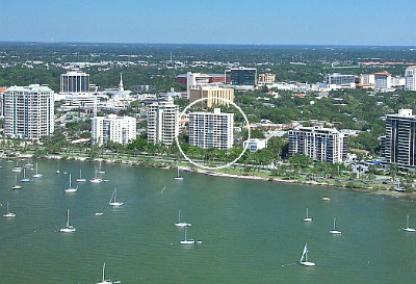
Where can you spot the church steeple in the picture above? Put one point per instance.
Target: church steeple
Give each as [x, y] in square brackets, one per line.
[120, 85]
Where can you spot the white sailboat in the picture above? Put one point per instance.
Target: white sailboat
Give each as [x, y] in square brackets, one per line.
[71, 189]
[181, 224]
[307, 219]
[96, 179]
[100, 171]
[104, 281]
[81, 179]
[113, 201]
[68, 227]
[17, 168]
[24, 179]
[178, 176]
[37, 174]
[304, 257]
[408, 228]
[8, 213]
[185, 240]
[334, 230]
[16, 186]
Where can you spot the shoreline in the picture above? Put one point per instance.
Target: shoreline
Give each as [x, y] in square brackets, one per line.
[390, 193]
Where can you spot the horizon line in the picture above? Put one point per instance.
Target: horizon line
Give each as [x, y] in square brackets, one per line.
[204, 44]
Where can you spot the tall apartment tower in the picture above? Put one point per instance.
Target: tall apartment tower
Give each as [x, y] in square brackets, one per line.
[400, 138]
[162, 122]
[211, 129]
[28, 112]
[318, 143]
[75, 82]
[113, 128]
[410, 77]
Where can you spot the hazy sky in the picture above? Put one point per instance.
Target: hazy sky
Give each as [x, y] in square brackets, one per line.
[357, 22]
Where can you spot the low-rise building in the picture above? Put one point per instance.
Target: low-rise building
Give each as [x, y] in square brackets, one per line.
[266, 78]
[255, 144]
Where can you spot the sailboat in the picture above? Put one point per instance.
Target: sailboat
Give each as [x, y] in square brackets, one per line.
[178, 176]
[68, 228]
[334, 230]
[304, 257]
[37, 174]
[24, 179]
[181, 224]
[113, 201]
[187, 241]
[81, 179]
[16, 186]
[408, 228]
[307, 219]
[100, 171]
[17, 168]
[71, 189]
[104, 281]
[96, 179]
[8, 214]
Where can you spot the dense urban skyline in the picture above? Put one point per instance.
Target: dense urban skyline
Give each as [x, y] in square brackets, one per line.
[243, 22]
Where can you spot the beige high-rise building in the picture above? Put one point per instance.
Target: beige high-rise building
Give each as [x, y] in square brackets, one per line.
[162, 122]
[214, 93]
[28, 112]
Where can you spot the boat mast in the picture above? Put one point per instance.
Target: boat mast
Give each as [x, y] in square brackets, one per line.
[103, 272]
[67, 217]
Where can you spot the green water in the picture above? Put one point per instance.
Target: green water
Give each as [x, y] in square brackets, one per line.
[252, 232]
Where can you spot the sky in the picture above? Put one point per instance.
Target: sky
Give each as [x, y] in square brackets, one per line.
[324, 22]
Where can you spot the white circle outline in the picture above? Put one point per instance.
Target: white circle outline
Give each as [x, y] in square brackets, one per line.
[219, 167]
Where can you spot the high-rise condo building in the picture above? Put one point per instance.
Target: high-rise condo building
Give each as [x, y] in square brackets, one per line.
[410, 77]
[28, 112]
[318, 143]
[215, 94]
[400, 138]
[113, 128]
[162, 122]
[74, 82]
[211, 129]
[241, 76]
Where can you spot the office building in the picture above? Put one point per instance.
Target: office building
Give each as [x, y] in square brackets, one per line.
[113, 128]
[382, 81]
[367, 81]
[28, 112]
[196, 79]
[211, 129]
[318, 143]
[410, 78]
[400, 138]
[75, 82]
[215, 94]
[162, 122]
[340, 79]
[241, 76]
